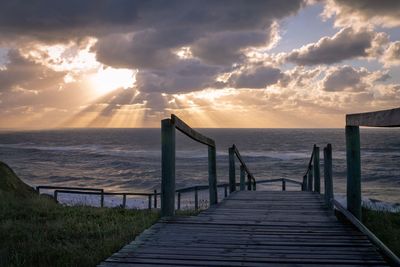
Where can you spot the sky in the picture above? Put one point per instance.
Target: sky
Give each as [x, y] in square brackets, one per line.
[214, 63]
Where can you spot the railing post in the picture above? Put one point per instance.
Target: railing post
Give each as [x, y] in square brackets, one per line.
[242, 178]
[124, 200]
[56, 195]
[232, 180]
[254, 185]
[196, 198]
[283, 185]
[225, 191]
[102, 198]
[310, 180]
[328, 176]
[167, 168]
[149, 202]
[155, 199]
[316, 170]
[304, 184]
[353, 170]
[212, 175]
[179, 200]
[248, 182]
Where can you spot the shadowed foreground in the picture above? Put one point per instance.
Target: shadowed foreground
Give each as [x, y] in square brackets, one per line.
[253, 229]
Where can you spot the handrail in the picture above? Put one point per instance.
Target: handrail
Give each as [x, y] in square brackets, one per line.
[279, 180]
[243, 169]
[394, 260]
[311, 178]
[381, 118]
[67, 188]
[168, 191]
[190, 132]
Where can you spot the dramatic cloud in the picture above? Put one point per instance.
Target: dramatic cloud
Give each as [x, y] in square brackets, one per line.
[344, 78]
[391, 56]
[55, 21]
[346, 44]
[21, 74]
[256, 78]
[216, 32]
[358, 13]
[123, 63]
[183, 76]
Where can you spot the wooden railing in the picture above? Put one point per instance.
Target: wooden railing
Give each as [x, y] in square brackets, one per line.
[251, 181]
[311, 178]
[383, 118]
[168, 162]
[98, 191]
[312, 175]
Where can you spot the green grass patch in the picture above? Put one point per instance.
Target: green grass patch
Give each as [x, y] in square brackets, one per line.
[36, 231]
[385, 225]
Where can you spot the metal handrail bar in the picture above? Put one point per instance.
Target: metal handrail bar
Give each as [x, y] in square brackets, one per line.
[68, 188]
[279, 180]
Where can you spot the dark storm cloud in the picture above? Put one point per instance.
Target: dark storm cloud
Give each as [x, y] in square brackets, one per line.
[51, 20]
[183, 76]
[344, 79]
[256, 78]
[22, 73]
[346, 44]
[216, 31]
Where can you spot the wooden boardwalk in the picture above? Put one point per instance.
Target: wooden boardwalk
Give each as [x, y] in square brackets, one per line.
[253, 228]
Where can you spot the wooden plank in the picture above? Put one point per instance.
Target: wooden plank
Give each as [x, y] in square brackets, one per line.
[382, 118]
[190, 132]
[242, 232]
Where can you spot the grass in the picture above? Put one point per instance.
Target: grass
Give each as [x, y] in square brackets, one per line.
[385, 225]
[36, 231]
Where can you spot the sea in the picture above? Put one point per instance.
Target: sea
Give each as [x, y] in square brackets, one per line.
[129, 160]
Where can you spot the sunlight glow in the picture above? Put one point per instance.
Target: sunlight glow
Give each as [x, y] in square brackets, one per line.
[108, 79]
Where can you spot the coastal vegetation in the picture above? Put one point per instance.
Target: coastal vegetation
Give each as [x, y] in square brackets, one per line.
[36, 231]
[385, 225]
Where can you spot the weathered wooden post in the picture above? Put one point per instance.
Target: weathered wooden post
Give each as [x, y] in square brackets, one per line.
[232, 180]
[328, 176]
[179, 200]
[353, 170]
[155, 199]
[310, 179]
[102, 198]
[196, 198]
[283, 185]
[212, 175]
[242, 178]
[304, 184]
[167, 168]
[124, 201]
[56, 195]
[316, 170]
[149, 202]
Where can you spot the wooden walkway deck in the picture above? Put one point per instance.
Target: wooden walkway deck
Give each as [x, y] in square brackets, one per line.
[253, 228]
